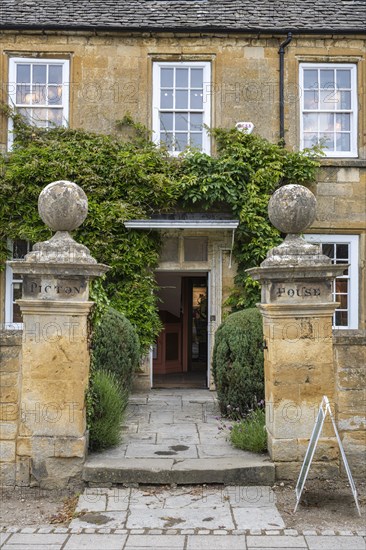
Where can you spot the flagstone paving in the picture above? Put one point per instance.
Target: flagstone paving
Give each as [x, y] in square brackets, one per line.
[176, 436]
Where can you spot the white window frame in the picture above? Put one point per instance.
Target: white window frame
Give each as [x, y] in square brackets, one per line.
[9, 280]
[353, 111]
[12, 83]
[353, 288]
[206, 66]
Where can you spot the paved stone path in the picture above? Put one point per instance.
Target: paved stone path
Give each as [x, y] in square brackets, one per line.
[173, 436]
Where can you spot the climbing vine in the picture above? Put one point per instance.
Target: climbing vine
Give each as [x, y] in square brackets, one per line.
[128, 179]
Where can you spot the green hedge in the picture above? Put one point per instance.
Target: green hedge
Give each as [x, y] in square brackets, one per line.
[238, 362]
[116, 347]
[107, 403]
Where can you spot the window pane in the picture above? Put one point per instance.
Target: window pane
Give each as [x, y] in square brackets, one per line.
[310, 78]
[23, 74]
[196, 78]
[171, 346]
[343, 122]
[166, 99]
[327, 79]
[167, 138]
[181, 141]
[55, 74]
[17, 316]
[166, 77]
[342, 251]
[26, 113]
[166, 121]
[181, 78]
[39, 74]
[343, 142]
[310, 139]
[39, 95]
[345, 100]
[341, 318]
[169, 251]
[181, 99]
[55, 117]
[310, 122]
[17, 291]
[23, 94]
[327, 139]
[20, 249]
[39, 117]
[196, 121]
[343, 299]
[196, 99]
[196, 140]
[343, 78]
[328, 100]
[54, 95]
[195, 249]
[310, 100]
[326, 122]
[328, 249]
[181, 121]
[341, 286]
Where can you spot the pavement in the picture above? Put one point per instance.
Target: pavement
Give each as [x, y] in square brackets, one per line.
[164, 429]
[175, 436]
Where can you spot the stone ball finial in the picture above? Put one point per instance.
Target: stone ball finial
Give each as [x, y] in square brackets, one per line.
[292, 208]
[63, 205]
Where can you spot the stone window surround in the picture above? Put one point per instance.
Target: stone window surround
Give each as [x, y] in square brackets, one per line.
[159, 62]
[353, 291]
[32, 59]
[338, 63]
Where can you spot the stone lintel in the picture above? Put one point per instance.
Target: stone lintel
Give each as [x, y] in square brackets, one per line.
[54, 308]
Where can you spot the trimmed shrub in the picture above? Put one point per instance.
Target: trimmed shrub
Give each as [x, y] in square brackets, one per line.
[250, 434]
[116, 347]
[107, 403]
[238, 363]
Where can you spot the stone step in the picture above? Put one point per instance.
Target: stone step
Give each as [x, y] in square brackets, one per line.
[250, 469]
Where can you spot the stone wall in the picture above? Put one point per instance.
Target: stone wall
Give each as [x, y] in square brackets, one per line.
[350, 371]
[10, 373]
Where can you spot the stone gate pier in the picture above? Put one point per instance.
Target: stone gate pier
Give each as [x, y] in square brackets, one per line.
[51, 440]
[297, 308]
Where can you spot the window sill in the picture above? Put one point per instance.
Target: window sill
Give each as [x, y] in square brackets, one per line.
[343, 162]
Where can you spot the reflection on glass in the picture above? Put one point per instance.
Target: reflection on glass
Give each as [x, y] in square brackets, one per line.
[345, 100]
[343, 142]
[166, 99]
[196, 140]
[55, 74]
[167, 77]
[343, 300]
[310, 139]
[181, 141]
[328, 100]
[343, 78]
[341, 318]
[167, 138]
[181, 121]
[196, 121]
[326, 122]
[166, 121]
[39, 74]
[23, 94]
[341, 286]
[310, 78]
[23, 73]
[343, 122]
[328, 250]
[342, 251]
[181, 99]
[196, 99]
[310, 122]
[54, 95]
[310, 100]
[327, 139]
[196, 78]
[327, 79]
[181, 78]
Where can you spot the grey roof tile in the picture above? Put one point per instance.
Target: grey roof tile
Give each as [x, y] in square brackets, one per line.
[200, 15]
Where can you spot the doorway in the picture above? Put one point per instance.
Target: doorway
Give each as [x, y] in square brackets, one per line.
[180, 355]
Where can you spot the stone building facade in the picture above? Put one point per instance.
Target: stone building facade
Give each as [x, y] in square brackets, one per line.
[176, 65]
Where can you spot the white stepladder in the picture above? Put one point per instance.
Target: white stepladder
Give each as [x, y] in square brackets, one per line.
[324, 409]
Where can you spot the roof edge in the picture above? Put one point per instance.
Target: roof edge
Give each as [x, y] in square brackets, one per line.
[206, 30]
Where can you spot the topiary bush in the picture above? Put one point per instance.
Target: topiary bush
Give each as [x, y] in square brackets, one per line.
[106, 404]
[238, 363]
[116, 347]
